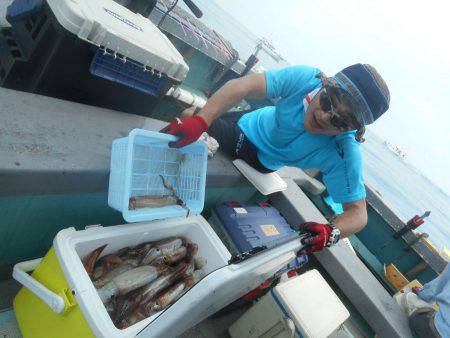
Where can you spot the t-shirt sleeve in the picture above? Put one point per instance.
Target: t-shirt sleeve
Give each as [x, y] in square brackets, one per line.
[345, 181]
[285, 82]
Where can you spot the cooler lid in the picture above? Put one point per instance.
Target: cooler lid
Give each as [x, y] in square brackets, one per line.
[311, 303]
[107, 24]
[265, 183]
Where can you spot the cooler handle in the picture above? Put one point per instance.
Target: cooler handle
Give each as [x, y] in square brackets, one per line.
[55, 302]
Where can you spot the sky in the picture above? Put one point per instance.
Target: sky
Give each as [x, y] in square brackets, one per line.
[408, 42]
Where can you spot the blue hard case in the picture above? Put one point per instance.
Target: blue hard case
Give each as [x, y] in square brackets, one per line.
[251, 226]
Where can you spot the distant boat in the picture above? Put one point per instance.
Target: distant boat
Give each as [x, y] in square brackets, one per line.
[396, 150]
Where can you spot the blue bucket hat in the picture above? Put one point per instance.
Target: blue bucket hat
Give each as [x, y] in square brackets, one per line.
[367, 88]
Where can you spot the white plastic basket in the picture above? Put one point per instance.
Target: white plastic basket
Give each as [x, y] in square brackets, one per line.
[137, 164]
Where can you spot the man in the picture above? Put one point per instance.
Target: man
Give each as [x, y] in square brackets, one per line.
[317, 123]
[428, 322]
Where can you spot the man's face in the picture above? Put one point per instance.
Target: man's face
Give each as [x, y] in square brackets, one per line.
[318, 121]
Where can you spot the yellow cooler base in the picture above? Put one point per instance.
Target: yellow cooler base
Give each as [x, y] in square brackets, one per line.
[36, 319]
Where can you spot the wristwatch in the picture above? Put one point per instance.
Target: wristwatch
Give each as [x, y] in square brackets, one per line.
[335, 235]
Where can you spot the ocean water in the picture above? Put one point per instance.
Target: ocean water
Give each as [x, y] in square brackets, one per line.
[406, 190]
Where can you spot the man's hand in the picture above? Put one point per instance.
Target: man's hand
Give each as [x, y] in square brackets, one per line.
[189, 130]
[318, 236]
[416, 289]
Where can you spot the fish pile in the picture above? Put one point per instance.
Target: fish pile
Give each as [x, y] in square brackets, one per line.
[134, 283]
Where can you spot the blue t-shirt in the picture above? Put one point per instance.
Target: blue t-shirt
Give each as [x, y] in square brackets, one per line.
[280, 136]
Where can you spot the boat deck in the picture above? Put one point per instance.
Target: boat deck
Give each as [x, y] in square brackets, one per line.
[54, 147]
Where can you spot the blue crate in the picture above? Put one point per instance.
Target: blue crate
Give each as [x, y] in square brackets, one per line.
[130, 73]
[137, 161]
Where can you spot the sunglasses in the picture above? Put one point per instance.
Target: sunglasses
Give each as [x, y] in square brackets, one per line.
[326, 104]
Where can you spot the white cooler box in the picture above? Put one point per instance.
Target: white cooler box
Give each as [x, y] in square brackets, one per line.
[222, 284]
[304, 306]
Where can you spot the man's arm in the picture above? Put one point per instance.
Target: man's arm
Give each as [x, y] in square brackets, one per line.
[231, 94]
[189, 129]
[353, 219]
[321, 235]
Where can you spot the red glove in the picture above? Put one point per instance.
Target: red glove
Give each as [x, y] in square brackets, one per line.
[415, 289]
[189, 129]
[318, 236]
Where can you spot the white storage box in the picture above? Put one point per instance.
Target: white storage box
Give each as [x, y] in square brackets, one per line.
[93, 52]
[304, 306]
[106, 23]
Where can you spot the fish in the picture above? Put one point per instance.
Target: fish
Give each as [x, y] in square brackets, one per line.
[167, 297]
[104, 264]
[125, 306]
[171, 294]
[105, 279]
[130, 280]
[135, 282]
[151, 290]
[92, 258]
[169, 245]
[151, 201]
[123, 252]
[111, 259]
[175, 256]
[151, 255]
[141, 248]
[148, 292]
[192, 250]
[134, 261]
[139, 251]
[99, 272]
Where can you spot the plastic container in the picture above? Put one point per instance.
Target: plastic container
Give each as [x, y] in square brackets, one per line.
[250, 226]
[62, 272]
[94, 52]
[130, 73]
[304, 306]
[137, 163]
